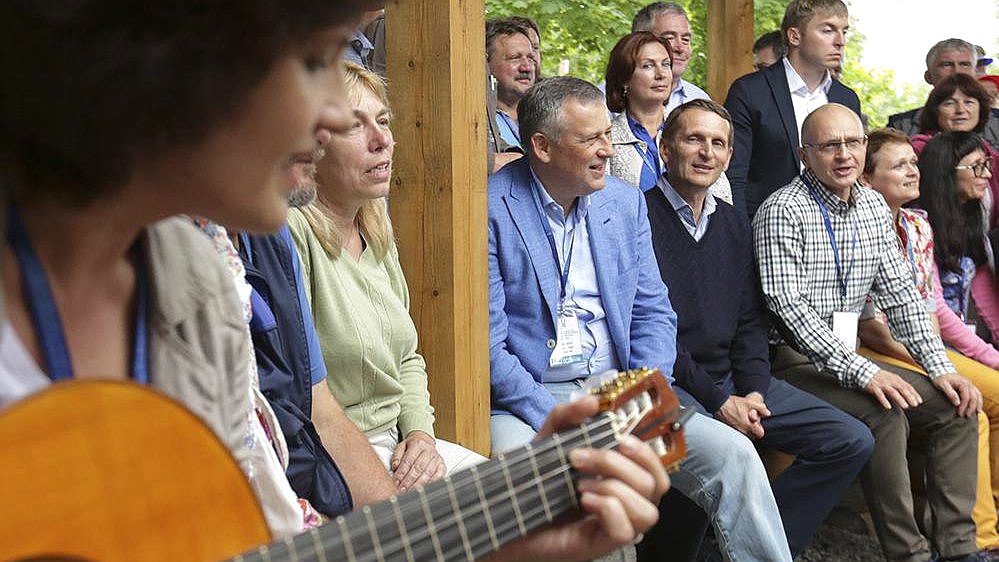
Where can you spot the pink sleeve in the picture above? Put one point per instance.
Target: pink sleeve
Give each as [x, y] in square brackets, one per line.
[956, 334]
[994, 186]
[985, 293]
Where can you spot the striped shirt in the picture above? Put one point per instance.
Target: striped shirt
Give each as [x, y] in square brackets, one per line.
[800, 283]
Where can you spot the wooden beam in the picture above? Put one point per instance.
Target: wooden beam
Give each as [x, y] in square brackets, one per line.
[436, 74]
[730, 44]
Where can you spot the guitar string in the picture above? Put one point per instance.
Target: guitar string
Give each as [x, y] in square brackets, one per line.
[547, 446]
[503, 530]
[396, 545]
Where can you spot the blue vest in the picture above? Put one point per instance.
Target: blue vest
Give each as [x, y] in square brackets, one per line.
[283, 366]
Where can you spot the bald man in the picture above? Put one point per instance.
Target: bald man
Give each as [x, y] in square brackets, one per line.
[824, 243]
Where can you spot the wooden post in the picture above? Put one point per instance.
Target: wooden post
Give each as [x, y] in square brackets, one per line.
[436, 74]
[730, 44]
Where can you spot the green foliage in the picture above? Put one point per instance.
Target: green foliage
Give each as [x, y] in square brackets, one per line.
[767, 15]
[876, 87]
[583, 33]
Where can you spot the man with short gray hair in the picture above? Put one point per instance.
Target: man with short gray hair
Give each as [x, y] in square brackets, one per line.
[574, 291]
[669, 21]
[945, 58]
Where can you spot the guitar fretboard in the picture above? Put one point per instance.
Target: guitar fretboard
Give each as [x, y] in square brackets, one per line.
[463, 517]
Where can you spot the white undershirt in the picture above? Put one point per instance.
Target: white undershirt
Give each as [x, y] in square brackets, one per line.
[19, 374]
[804, 100]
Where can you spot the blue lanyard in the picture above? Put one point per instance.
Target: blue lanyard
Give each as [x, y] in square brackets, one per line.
[908, 247]
[550, 235]
[45, 315]
[841, 276]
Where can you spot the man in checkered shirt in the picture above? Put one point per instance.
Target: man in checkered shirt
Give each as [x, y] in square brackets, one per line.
[824, 243]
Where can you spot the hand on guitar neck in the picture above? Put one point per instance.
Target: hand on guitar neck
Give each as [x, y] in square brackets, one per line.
[617, 503]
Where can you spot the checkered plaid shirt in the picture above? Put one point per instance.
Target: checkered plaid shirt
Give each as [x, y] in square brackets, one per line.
[798, 274]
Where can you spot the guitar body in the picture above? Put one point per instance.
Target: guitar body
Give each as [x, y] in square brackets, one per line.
[113, 471]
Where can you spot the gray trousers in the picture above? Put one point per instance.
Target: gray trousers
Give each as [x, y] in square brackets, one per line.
[951, 464]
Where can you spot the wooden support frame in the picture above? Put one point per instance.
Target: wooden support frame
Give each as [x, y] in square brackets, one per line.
[436, 74]
[730, 44]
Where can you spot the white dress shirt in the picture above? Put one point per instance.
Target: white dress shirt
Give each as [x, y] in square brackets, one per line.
[804, 100]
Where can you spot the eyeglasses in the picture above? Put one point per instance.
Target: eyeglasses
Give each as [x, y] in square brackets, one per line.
[832, 147]
[978, 168]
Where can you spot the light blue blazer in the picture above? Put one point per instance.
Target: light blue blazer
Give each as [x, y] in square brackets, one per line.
[524, 282]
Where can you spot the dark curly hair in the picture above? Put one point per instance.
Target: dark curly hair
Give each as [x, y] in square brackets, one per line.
[90, 86]
[958, 228]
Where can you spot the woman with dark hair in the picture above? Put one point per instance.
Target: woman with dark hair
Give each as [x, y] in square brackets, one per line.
[960, 103]
[955, 172]
[891, 169]
[639, 82]
[113, 119]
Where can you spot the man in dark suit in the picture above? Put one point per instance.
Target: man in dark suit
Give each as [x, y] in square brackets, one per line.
[768, 106]
[947, 57]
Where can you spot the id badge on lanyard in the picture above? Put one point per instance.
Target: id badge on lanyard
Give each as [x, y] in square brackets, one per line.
[845, 328]
[568, 339]
[844, 322]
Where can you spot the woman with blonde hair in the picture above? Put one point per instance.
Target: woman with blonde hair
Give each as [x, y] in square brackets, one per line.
[359, 296]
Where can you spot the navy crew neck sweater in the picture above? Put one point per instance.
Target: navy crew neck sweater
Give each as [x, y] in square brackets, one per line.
[714, 289]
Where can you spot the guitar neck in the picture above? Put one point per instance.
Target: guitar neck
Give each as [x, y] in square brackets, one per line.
[463, 517]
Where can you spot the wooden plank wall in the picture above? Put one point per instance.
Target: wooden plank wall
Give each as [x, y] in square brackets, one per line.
[436, 72]
[730, 44]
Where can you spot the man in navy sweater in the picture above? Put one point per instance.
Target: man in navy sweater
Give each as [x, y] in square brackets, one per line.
[705, 255]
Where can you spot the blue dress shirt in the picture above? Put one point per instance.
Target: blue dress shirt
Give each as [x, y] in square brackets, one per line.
[651, 163]
[686, 213]
[582, 296]
[508, 129]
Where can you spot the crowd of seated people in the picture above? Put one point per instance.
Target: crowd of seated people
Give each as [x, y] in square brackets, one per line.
[845, 282]
[836, 301]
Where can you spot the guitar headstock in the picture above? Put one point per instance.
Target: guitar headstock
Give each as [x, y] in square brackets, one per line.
[647, 407]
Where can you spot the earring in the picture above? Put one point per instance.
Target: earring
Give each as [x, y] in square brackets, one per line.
[624, 90]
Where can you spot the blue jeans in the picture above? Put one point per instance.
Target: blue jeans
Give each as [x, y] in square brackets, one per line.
[722, 474]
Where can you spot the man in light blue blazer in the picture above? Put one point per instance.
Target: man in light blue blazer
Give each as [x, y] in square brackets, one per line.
[574, 290]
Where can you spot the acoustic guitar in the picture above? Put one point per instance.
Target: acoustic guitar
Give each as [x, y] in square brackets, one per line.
[114, 471]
